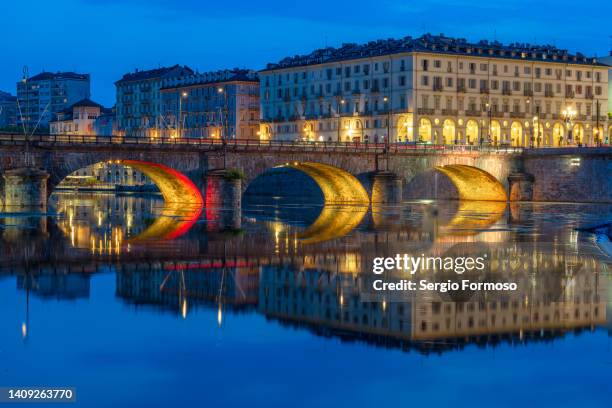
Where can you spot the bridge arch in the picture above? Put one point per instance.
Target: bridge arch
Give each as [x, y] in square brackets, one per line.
[174, 186]
[337, 186]
[456, 181]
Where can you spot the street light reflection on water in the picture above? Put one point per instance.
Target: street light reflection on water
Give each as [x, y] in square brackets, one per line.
[133, 280]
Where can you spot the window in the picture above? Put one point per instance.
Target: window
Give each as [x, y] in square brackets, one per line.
[437, 63]
[527, 70]
[472, 83]
[402, 80]
[366, 69]
[449, 82]
[484, 67]
[356, 69]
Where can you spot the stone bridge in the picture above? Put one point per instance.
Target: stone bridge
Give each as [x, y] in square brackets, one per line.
[213, 173]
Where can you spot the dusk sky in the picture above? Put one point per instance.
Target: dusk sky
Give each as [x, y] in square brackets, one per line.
[107, 38]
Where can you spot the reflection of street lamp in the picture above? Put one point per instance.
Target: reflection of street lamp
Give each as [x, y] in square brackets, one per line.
[180, 115]
[568, 116]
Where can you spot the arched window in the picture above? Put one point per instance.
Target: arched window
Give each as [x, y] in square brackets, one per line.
[471, 131]
[516, 134]
[578, 134]
[558, 132]
[425, 130]
[448, 132]
[495, 132]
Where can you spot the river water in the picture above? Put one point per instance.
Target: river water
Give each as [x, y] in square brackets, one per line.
[135, 303]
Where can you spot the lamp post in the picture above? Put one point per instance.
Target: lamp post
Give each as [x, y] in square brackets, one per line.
[568, 116]
[179, 126]
[224, 124]
[26, 123]
[488, 106]
[340, 103]
[386, 100]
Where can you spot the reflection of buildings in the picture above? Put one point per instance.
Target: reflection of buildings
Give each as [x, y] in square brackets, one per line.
[55, 285]
[102, 222]
[551, 300]
[182, 286]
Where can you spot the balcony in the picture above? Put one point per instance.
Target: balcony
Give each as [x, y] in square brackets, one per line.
[461, 88]
[527, 92]
[425, 111]
[517, 115]
[570, 94]
[589, 96]
[484, 90]
[356, 92]
[449, 112]
[472, 112]
[549, 94]
[375, 89]
[438, 87]
[506, 92]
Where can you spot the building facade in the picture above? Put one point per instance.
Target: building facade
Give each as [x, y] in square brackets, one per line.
[440, 90]
[8, 110]
[212, 105]
[608, 61]
[41, 97]
[139, 102]
[78, 119]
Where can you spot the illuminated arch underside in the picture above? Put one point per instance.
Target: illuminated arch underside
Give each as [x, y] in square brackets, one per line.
[473, 183]
[174, 186]
[182, 202]
[337, 185]
[175, 220]
[333, 222]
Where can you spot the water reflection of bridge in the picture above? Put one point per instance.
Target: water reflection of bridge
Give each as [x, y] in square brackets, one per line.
[324, 295]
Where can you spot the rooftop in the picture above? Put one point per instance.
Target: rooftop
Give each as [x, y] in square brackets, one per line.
[139, 75]
[45, 76]
[435, 44]
[212, 77]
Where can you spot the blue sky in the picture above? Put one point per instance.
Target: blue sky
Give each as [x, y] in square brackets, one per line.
[110, 37]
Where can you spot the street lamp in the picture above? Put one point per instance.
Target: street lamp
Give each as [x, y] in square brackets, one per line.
[180, 115]
[568, 116]
[341, 101]
[224, 124]
[386, 99]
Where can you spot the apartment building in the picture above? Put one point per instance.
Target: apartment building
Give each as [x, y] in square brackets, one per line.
[8, 110]
[139, 101]
[79, 119]
[437, 89]
[215, 105]
[41, 97]
[608, 61]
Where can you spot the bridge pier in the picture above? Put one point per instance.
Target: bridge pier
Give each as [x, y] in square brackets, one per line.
[386, 187]
[520, 186]
[223, 199]
[25, 189]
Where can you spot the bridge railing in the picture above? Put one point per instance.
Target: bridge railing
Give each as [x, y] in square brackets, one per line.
[248, 144]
